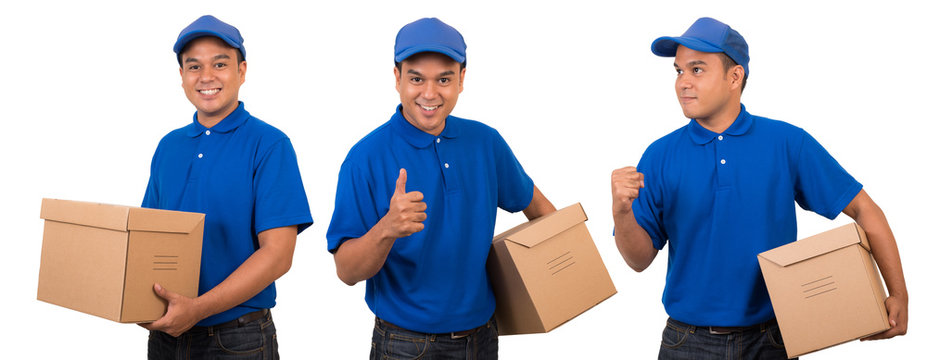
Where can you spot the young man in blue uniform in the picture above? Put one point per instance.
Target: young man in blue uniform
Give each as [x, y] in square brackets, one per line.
[416, 206]
[721, 190]
[242, 173]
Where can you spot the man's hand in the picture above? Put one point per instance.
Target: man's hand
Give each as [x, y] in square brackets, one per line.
[897, 317]
[181, 313]
[626, 185]
[406, 210]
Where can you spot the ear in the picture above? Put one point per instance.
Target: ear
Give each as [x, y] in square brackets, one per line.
[462, 73]
[398, 75]
[242, 69]
[736, 74]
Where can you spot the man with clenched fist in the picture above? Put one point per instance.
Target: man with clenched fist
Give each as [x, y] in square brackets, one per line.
[415, 209]
[723, 189]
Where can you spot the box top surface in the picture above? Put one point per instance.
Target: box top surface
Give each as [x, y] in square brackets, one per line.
[825, 242]
[536, 231]
[118, 217]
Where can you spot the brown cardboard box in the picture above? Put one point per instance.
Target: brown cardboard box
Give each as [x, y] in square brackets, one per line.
[546, 272]
[825, 290]
[104, 259]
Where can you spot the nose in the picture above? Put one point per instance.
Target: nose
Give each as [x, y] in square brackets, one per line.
[683, 82]
[430, 90]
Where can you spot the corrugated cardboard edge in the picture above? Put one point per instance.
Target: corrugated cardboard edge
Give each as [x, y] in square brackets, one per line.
[113, 217]
[816, 245]
[531, 236]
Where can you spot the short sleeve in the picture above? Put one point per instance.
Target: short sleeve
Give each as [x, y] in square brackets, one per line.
[822, 185]
[355, 210]
[151, 192]
[648, 207]
[280, 198]
[516, 189]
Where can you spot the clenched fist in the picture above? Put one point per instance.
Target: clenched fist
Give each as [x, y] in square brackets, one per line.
[626, 185]
[406, 210]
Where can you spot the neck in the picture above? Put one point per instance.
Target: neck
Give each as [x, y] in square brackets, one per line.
[210, 120]
[721, 120]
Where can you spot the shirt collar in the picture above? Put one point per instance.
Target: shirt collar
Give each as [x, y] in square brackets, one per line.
[418, 138]
[229, 123]
[741, 125]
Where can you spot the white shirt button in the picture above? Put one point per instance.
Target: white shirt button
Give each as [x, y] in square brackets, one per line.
[438, 140]
[201, 156]
[446, 165]
[207, 132]
[720, 137]
[723, 162]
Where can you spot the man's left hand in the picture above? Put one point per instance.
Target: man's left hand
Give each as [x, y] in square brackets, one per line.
[181, 313]
[897, 317]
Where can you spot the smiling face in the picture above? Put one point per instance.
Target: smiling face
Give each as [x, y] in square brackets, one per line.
[211, 77]
[428, 86]
[706, 91]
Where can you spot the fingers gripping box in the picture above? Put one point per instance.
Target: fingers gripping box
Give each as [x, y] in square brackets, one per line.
[825, 290]
[103, 259]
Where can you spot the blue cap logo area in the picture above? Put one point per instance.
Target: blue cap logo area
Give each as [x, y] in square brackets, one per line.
[430, 35]
[208, 25]
[707, 35]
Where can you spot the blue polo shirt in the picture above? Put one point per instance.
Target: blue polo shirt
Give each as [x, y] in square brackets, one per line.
[435, 280]
[721, 199]
[242, 174]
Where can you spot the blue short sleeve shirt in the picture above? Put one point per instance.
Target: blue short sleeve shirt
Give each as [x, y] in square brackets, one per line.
[435, 280]
[242, 173]
[721, 199]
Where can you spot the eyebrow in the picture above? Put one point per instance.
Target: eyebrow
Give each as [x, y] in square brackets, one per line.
[692, 63]
[217, 57]
[416, 73]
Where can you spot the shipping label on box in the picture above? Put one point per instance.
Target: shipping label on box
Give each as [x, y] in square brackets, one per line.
[546, 272]
[825, 290]
[103, 259]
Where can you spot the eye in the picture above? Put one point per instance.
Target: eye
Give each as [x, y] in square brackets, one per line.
[193, 67]
[444, 81]
[697, 70]
[221, 65]
[678, 72]
[415, 79]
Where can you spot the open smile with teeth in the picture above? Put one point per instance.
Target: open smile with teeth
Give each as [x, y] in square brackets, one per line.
[429, 108]
[208, 91]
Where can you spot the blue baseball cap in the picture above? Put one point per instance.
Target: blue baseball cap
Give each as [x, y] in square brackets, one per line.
[208, 25]
[707, 35]
[430, 35]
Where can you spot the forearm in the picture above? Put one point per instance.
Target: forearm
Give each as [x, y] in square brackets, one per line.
[361, 258]
[633, 242]
[881, 241]
[539, 206]
[271, 260]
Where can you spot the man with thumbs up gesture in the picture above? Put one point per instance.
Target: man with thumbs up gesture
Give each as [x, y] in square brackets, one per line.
[416, 204]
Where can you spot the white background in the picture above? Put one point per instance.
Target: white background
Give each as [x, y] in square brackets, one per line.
[88, 89]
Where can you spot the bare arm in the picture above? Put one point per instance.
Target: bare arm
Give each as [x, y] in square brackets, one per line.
[272, 259]
[885, 251]
[539, 206]
[361, 258]
[632, 240]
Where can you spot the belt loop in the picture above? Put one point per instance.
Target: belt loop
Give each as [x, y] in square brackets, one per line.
[209, 329]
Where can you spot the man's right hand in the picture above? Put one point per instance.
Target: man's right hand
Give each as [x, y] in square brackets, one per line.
[626, 185]
[406, 214]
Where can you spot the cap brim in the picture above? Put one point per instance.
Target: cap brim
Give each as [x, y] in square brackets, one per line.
[666, 46]
[178, 46]
[405, 54]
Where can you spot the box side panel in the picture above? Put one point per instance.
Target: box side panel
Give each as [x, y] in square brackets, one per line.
[875, 284]
[564, 275]
[83, 268]
[822, 301]
[170, 259]
[515, 312]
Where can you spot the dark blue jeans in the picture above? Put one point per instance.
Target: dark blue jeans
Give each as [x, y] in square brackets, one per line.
[392, 343]
[684, 341]
[254, 340]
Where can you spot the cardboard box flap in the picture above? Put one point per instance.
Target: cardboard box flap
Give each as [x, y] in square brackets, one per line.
[143, 219]
[97, 215]
[819, 244]
[544, 227]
